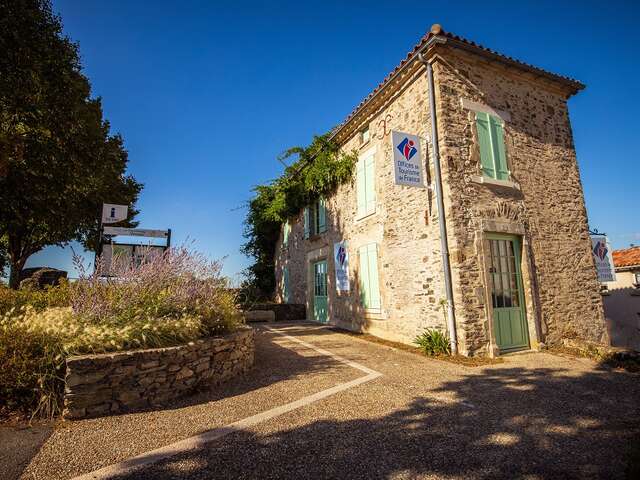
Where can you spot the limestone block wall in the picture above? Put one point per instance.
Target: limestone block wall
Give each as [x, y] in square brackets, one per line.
[405, 227]
[98, 385]
[546, 207]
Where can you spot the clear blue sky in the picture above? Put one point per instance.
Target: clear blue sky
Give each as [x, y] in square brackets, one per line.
[206, 94]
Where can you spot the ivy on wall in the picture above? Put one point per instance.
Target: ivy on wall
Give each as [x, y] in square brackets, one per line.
[319, 168]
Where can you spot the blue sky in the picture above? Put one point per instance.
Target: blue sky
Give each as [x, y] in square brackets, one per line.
[206, 94]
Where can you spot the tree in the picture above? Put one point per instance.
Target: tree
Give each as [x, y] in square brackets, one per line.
[58, 160]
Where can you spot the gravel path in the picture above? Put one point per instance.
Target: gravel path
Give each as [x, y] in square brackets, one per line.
[534, 416]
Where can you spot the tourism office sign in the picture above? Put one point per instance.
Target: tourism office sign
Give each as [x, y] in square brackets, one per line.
[601, 251]
[407, 159]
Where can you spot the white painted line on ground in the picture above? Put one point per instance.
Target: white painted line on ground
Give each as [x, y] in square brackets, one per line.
[202, 439]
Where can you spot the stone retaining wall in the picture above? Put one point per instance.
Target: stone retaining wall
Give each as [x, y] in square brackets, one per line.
[111, 383]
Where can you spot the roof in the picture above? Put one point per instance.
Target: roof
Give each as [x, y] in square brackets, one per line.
[438, 33]
[628, 257]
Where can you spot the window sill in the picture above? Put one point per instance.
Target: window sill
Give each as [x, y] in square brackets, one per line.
[374, 314]
[315, 236]
[494, 181]
[364, 216]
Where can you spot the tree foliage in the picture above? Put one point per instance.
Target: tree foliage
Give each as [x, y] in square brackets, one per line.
[58, 160]
[319, 168]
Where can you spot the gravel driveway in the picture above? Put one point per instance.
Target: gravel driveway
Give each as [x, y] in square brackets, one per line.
[534, 416]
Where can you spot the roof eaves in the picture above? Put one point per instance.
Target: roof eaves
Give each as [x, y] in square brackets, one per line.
[437, 34]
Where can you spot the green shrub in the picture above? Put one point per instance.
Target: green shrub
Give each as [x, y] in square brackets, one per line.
[433, 343]
[50, 296]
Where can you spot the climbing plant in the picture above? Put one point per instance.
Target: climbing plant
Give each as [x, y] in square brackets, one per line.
[317, 170]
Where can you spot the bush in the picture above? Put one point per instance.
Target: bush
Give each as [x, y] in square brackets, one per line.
[167, 300]
[433, 343]
[50, 296]
[170, 285]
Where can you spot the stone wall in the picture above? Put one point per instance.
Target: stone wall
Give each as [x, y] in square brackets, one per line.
[404, 226]
[544, 205]
[111, 383]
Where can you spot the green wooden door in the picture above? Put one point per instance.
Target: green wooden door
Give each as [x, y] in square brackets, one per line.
[320, 304]
[509, 321]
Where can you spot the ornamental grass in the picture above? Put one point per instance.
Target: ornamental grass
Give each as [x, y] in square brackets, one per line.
[166, 300]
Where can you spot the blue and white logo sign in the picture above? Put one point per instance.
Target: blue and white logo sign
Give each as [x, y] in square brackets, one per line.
[603, 259]
[407, 159]
[341, 262]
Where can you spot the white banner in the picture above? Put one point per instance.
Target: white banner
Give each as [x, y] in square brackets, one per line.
[113, 213]
[601, 251]
[407, 159]
[341, 261]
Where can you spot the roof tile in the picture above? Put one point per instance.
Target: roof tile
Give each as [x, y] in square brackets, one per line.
[629, 257]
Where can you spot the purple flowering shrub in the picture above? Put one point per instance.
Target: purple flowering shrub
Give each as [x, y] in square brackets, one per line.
[161, 287]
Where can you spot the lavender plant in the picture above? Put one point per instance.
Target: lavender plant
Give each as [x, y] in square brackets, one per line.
[176, 283]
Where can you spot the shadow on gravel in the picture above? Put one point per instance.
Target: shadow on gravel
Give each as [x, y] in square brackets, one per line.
[508, 423]
[18, 445]
[273, 363]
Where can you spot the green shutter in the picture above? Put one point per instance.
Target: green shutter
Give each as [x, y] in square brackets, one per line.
[370, 183]
[285, 234]
[484, 141]
[374, 285]
[361, 188]
[364, 276]
[369, 280]
[285, 287]
[499, 155]
[322, 216]
[306, 222]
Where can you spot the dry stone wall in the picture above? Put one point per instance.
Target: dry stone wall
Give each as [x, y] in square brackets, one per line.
[98, 385]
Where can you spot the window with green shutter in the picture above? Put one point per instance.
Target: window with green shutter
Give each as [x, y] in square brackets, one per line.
[493, 158]
[369, 281]
[315, 218]
[286, 231]
[365, 185]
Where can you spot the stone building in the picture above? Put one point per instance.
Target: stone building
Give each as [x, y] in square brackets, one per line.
[520, 263]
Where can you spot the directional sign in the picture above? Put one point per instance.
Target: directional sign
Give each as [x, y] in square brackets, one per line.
[136, 232]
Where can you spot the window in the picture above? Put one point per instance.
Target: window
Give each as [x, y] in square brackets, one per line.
[286, 231]
[365, 186]
[315, 219]
[285, 285]
[493, 158]
[364, 136]
[636, 278]
[369, 285]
